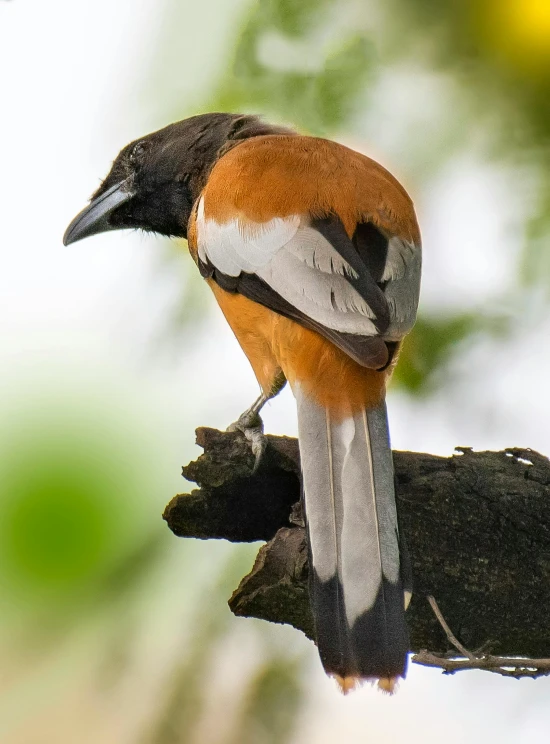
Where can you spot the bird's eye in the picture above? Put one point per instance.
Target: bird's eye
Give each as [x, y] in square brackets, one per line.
[137, 151]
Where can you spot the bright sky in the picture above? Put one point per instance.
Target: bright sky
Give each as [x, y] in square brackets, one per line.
[73, 89]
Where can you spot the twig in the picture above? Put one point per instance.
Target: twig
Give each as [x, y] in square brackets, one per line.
[504, 665]
[448, 632]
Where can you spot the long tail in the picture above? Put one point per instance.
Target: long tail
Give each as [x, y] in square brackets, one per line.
[356, 578]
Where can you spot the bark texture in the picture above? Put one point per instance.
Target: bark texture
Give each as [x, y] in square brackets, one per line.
[477, 526]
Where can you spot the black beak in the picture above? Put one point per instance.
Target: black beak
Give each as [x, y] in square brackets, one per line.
[94, 218]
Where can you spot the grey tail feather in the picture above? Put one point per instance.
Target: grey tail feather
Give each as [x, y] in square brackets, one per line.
[356, 576]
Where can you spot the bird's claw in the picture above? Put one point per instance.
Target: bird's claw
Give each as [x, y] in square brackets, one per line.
[252, 426]
[258, 443]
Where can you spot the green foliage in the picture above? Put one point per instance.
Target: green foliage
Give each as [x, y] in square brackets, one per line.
[428, 349]
[436, 341]
[500, 53]
[71, 512]
[319, 101]
[290, 17]
[55, 522]
[535, 260]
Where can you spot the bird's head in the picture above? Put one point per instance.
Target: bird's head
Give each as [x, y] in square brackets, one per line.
[155, 180]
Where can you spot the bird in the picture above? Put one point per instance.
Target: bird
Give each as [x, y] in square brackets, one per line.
[313, 253]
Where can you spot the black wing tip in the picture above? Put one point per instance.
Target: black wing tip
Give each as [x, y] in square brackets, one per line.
[332, 229]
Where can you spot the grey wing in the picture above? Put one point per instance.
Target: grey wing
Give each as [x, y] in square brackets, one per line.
[311, 271]
[401, 278]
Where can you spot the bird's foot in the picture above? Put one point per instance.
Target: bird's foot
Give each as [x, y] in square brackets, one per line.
[252, 426]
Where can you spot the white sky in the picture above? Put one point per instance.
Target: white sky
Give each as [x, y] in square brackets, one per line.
[73, 93]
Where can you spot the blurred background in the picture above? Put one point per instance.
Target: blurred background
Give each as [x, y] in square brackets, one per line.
[111, 351]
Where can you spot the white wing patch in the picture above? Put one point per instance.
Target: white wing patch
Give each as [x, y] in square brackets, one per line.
[298, 263]
[233, 247]
[295, 260]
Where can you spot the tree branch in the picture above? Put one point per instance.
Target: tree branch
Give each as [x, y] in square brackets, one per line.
[477, 526]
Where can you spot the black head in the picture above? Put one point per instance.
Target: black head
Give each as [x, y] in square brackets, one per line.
[155, 180]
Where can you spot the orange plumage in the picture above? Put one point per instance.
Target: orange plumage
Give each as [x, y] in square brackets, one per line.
[278, 176]
[272, 342]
